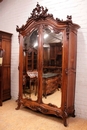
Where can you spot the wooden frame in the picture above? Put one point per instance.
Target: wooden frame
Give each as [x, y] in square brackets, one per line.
[38, 18]
[1, 75]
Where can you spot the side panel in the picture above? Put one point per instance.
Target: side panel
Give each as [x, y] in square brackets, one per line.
[71, 71]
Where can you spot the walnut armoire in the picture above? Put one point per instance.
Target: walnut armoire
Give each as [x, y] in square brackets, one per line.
[55, 67]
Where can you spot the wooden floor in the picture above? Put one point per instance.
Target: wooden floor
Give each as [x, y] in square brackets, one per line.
[25, 119]
[54, 98]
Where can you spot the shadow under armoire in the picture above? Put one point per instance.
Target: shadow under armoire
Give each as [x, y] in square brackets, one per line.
[47, 56]
[5, 43]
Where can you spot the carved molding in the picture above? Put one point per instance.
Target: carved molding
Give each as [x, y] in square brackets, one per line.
[67, 71]
[43, 110]
[67, 32]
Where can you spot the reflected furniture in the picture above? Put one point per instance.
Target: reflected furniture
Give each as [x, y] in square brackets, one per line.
[5, 43]
[54, 54]
[32, 76]
[50, 83]
[31, 60]
[55, 61]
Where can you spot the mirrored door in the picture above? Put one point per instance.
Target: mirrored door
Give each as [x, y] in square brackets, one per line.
[30, 65]
[50, 75]
[52, 66]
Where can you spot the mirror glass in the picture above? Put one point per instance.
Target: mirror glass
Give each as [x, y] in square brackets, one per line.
[30, 70]
[0, 60]
[52, 66]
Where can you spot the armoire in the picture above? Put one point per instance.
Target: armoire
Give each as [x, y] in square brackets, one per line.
[5, 44]
[47, 64]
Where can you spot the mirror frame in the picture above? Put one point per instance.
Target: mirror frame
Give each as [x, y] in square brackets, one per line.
[38, 17]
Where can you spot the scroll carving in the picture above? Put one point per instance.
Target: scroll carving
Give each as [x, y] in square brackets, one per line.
[43, 110]
[67, 71]
[65, 115]
[39, 12]
[69, 18]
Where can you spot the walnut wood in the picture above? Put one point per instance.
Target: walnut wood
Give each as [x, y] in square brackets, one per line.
[5, 43]
[1, 75]
[50, 85]
[39, 19]
[1, 0]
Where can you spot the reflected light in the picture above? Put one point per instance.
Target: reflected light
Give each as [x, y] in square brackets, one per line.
[45, 36]
[52, 31]
[35, 44]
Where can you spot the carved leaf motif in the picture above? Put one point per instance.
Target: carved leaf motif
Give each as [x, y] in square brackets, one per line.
[40, 12]
[43, 110]
[69, 18]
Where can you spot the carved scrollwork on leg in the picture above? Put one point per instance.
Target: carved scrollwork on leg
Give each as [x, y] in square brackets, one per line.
[18, 103]
[73, 114]
[65, 116]
[43, 110]
[34, 108]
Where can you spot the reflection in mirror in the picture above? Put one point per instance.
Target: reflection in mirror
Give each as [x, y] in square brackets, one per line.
[52, 67]
[30, 71]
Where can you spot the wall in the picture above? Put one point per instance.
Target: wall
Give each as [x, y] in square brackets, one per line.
[16, 12]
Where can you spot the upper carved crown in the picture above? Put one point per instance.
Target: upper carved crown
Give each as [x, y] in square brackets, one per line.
[40, 12]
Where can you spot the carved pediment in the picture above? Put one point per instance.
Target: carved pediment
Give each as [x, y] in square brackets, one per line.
[40, 12]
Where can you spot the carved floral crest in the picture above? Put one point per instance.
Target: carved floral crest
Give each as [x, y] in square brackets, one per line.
[38, 13]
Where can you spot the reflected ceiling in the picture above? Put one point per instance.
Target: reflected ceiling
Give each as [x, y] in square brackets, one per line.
[49, 37]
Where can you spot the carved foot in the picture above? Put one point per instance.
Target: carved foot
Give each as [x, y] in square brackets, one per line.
[65, 119]
[18, 107]
[65, 122]
[18, 103]
[73, 114]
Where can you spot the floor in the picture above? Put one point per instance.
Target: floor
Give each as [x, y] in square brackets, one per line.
[25, 119]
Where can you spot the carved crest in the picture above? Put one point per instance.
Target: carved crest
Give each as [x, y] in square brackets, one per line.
[69, 18]
[40, 12]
